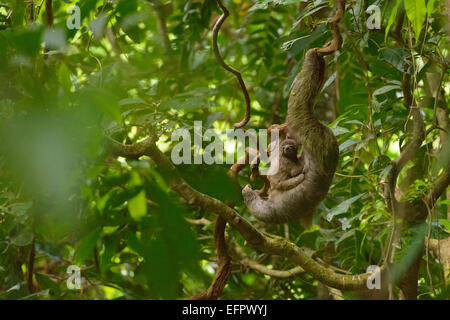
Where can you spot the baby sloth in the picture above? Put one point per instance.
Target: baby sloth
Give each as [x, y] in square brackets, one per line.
[288, 176]
[290, 168]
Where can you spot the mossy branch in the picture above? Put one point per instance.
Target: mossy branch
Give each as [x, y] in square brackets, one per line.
[269, 244]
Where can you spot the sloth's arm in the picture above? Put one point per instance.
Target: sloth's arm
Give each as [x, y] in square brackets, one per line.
[296, 171]
[290, 183]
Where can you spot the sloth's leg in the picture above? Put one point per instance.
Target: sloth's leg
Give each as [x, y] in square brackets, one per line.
[290, 183]
[262, 209]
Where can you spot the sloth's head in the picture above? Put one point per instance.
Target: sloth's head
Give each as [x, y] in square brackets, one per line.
[289, 148]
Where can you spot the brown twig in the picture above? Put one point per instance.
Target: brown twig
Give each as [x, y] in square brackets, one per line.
[31, 8]
[48, 22]
[201, 221]
[224, 264]
[49, 12]
[219, 58]
[38, 9]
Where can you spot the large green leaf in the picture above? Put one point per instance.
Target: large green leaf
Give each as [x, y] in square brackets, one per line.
[86, 247]
[343, 207]
[46, 283]
[416, 12]
[446, 224]
[138, 206]
[395, 56]
[23, 237]
[431, 7]
[392, 17]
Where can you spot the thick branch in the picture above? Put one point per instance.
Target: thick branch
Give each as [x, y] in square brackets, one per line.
[408, 153]
[245, 261]
[418, 135]
[441, 250]
[259, 241]
[439, 186]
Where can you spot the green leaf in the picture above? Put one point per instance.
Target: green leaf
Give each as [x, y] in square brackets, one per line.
[64, 77]
[343, 207]
[212, 118]
[328, 82]
[36, 295]
[264, 4]
[416, 12]
[110, 248]
[46, 283]
[125, 7]
[337, 131]
[385, 89]
[348, 143]
[385, 171]
[138, 206]
[98, 26]
[86, 247]
[392, 17]
[431, 7]
[188, 104]
[27, 41]
[395, 56]
[295, 46]
[23, 238]
[346, 235]
[19, 209]
[446, 224]
[128, 101]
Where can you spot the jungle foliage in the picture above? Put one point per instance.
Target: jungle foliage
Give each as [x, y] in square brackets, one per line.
[140, 67]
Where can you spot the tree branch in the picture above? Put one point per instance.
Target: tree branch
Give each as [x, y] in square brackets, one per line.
[408, 153]
[336, 42]
[219, 58]
[266, 243]
[439, 186]
[224, 264]
[202, 221]
[246, 261]
[49, 12]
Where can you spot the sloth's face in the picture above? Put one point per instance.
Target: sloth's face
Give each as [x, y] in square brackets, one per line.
[289, 149]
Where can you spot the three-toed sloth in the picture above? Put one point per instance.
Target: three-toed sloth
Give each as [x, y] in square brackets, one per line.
[296, 196]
